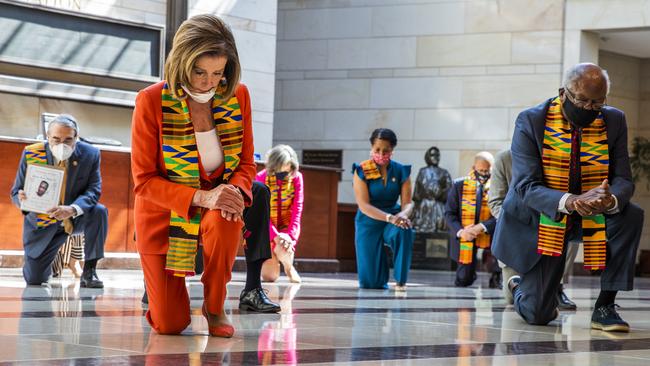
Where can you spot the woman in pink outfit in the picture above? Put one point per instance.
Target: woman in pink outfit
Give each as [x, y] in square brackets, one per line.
[287, 195]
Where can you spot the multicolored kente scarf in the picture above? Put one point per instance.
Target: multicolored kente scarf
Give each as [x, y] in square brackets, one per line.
[281, 200]
[594, 168]
[468, 217]
[35, 154]
[181, 158]
[370, 170]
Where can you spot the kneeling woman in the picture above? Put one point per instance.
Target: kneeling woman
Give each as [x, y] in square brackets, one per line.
[381, 220]
[192, 165]
[287, 196]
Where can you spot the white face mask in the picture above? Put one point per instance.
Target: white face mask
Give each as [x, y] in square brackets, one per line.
[61, 151]
[200, 97]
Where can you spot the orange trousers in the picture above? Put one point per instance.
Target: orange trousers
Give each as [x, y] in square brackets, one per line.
[169, 302]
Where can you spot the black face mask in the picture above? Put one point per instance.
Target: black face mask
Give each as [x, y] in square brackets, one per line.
[281, 175]
[578, 116]
[482, 178]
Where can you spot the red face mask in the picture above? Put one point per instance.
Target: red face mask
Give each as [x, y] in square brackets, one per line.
[381, 159]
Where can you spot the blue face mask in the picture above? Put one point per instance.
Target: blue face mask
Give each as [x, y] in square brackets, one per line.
[281, 175]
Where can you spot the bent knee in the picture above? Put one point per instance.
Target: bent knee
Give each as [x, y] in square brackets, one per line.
[171, 325]
[99, 212]
[270, 277]
[260, 191]
[170, 329]
[635, 212]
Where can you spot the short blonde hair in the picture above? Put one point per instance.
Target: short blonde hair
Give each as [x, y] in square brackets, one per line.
[279, 156]
[202, 35]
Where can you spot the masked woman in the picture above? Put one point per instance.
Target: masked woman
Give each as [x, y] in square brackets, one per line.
[287, 196]
[378, 185]
[192, 165]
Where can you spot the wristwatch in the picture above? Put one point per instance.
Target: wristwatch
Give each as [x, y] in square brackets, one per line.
[388, 216]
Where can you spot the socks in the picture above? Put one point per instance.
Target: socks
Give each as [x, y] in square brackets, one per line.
[605, 298]
[253, 275]
[90, 264]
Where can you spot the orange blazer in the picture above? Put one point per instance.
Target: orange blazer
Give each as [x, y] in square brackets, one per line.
[155, 195]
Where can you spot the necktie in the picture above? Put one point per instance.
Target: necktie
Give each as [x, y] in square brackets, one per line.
[479, 202]
[67, 223]
[575, 187]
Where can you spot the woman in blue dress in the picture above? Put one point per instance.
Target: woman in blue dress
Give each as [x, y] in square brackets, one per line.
[381, 220]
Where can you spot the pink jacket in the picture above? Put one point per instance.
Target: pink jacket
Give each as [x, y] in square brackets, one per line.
[293, 230]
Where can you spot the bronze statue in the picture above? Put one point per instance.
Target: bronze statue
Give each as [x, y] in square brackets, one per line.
[430, 195]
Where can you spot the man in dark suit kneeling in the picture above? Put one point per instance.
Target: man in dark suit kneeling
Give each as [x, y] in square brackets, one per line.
[78, 212]
[571, 181]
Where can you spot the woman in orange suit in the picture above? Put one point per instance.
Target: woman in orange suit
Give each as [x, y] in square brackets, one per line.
[192, 165]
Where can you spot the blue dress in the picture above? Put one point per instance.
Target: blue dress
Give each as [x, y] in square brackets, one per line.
[371, 235]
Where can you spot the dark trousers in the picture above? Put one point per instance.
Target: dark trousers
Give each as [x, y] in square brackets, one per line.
[94, 225]
[535, 298]
[466, 273]
[256, 219]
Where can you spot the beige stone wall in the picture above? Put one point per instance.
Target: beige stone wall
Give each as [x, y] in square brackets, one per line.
[454, 74]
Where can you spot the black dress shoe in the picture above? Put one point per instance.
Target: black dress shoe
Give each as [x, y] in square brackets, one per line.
[89, 279]
[256, 300]
[563, 301]
[496, 280]
[606, 318]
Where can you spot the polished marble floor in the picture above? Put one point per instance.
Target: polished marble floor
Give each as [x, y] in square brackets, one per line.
[325, 320]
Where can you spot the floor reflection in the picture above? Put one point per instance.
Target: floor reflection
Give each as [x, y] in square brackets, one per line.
[277, 339]
[325, 320]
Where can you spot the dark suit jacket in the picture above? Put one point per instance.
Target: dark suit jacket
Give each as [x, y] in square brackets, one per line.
[453, 217]
[515, 240]
[83, 188]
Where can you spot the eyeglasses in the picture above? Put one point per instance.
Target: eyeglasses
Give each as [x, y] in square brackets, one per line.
[584, 103]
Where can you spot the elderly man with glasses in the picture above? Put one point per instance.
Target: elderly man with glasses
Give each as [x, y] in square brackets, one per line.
[571, 182]
[78, 210]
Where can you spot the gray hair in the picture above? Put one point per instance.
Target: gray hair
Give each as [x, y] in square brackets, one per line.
[575, 72]
[484, 156]
[66, 120]
[279, 156]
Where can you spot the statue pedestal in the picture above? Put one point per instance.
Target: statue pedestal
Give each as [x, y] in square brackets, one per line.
[431, 251]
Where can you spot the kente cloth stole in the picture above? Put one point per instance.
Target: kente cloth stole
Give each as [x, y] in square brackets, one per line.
[468, 217]
[594, 167]
[281, 201]
[370, 170]
[181, 158]
[35, 154]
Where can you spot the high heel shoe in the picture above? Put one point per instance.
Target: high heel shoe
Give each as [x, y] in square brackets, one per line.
[223, 330]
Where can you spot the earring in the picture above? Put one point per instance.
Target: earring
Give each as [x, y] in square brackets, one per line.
[223, 81]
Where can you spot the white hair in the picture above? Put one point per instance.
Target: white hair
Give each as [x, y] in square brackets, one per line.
[575, 72]
[280, 156]
[484, 156]
[66, 120]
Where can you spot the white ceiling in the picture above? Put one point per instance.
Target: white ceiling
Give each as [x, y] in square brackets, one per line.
[630, 42]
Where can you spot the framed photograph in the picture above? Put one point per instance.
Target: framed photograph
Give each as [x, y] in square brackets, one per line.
[43, 185]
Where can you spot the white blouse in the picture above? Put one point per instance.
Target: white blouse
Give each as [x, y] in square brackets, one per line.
[210, 150]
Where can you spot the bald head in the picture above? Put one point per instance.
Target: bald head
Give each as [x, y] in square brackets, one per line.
[587, 81]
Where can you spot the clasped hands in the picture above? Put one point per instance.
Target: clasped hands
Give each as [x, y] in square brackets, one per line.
[61, 212]
[471, 232]
[224, 197]
[400, 220]
[596, 201]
